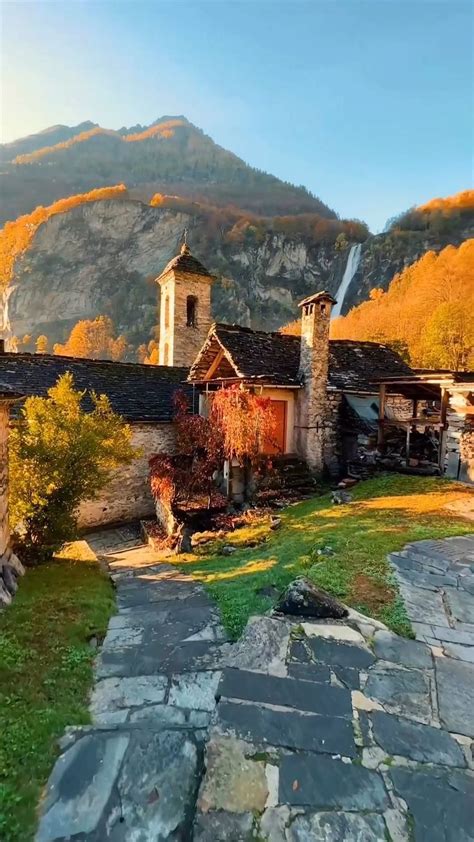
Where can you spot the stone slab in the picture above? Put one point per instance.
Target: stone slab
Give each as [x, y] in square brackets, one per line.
[333, 631]
[423, 606]
[455, 683]
[441, 803]
[187, 657]
[223, 826]
[461, 605]
[423, 743]
[194, 690]
[401, 691]
[462, 653]
[324, 734]
[343, 654]
[80, 786]
[324, 783]
[310, 672]
[286, 692]
[398, 650]
[112, 694]
[157, 786]
[337, 827]
[347, 676]
[263, 646]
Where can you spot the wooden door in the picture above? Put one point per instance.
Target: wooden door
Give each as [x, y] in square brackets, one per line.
[277, 442]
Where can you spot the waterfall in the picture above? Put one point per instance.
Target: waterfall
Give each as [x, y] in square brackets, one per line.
[5, 328]
[349, 272]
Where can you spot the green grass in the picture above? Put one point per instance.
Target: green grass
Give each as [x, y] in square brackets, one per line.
[45, 677]
[385, 514]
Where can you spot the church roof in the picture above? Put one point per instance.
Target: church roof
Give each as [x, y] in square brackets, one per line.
[136, 392]
[185, 262]
[274, 358]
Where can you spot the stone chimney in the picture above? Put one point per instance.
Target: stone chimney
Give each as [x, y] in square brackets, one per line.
[314, 363]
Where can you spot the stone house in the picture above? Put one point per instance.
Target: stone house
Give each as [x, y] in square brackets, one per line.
[141, 394]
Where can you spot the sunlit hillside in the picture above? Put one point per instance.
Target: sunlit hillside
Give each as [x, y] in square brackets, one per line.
[426, 313]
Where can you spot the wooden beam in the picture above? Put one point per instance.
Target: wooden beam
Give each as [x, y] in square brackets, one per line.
[214, 365]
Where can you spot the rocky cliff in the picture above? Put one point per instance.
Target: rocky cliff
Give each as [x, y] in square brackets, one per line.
[103, 257]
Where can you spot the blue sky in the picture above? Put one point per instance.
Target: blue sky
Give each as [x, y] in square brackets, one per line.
[368, 103]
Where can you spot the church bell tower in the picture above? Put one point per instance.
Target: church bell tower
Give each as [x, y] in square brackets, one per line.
[185, 309]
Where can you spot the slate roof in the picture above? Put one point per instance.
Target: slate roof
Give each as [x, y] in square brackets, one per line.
[136, 392]
[274, 358]
[185, 262]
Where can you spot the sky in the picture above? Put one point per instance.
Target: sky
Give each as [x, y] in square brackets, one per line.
[368, 103]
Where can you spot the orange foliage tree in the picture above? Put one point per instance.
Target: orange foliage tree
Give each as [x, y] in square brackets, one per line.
[94, 339]
[463, 201]
[428, 308]
[16, 236]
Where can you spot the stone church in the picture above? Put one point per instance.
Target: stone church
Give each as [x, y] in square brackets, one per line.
[325, 394]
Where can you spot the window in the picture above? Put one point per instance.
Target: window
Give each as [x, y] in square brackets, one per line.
[191, 307]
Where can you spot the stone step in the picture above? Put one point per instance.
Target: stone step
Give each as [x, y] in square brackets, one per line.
[324, 783]
[288, 729]
[286, 692]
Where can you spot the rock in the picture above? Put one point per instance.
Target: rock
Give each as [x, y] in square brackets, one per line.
[461, 605]
[362, 702]
[455, 683]
[422, 743]
[399, 650]
[325, 551]
[224, 827]
[273, 824]
[321, 782]
[80, 786]
[303, 598]
[9, 579]
[5, 595]
[232, 781]
[228, 549]
[263, 646]
[340, 498]
[275, 522]
[337, 826]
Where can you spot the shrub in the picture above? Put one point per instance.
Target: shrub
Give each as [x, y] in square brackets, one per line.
[59, 456]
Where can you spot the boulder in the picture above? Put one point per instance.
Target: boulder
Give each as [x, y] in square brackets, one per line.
[339, 498]
[302, 598]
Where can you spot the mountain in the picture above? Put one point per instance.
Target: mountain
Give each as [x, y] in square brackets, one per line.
[169, 156]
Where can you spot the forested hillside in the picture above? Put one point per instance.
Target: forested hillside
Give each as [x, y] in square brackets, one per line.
[171, 156]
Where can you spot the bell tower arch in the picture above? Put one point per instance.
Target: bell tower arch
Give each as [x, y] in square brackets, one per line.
[185, 309]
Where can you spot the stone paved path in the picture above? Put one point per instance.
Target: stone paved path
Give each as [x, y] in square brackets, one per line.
[134, 775]
[323, 731]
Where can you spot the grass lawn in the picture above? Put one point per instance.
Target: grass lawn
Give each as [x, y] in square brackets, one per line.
[45, 676]
[385, 514]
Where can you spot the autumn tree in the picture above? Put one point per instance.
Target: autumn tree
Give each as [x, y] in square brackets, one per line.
[42, 344]
[94, 339]
[59, 456]
[148, 354]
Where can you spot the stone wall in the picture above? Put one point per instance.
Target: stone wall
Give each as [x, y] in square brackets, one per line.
[10, 566]
[459, 439]
[332, 447]
[128, 496]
